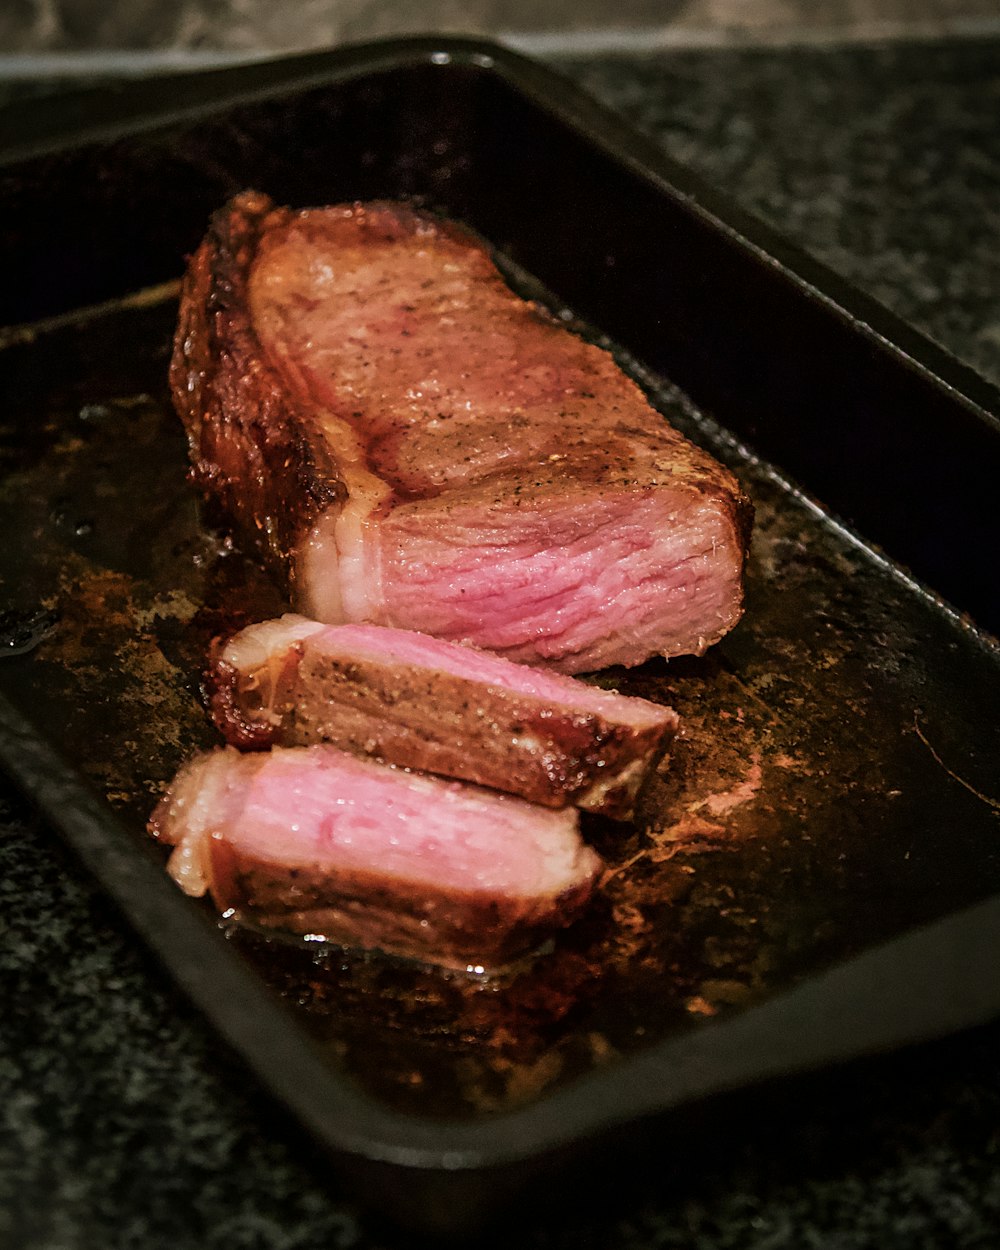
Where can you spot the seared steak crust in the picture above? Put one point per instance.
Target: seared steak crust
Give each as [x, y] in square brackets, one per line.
[252, 443]
[315, 842]
[426, 704]
[411, 444]
[451, 928]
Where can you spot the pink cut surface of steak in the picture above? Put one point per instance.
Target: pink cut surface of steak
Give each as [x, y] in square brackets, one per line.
[311, 840]
[413, 445]
[424, 703]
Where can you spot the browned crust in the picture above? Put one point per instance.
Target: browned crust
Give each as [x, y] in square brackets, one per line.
[445, 927]
[254, 442]
[252, 445]
[227, 707]
[364, 907]
[740, 508]
[440, 723]
[239, 717]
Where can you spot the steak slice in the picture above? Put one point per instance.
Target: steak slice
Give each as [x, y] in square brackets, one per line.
[316, 842]
[417, 701]
[413, 445]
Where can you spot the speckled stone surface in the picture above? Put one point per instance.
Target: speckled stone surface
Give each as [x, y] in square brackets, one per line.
[74, 25]
[883, 162]
[123, 1122]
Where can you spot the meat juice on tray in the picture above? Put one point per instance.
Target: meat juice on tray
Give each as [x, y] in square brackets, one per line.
[411, 446]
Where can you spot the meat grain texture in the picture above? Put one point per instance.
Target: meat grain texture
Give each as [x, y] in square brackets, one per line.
[423, 703]
[411, 444]
[319, 843]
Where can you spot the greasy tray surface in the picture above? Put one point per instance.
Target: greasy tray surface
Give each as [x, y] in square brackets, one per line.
[834, 788]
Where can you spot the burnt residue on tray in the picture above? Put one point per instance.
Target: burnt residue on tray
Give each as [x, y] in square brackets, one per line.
[834, 782]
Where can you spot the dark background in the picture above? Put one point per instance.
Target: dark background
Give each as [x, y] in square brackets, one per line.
[121, 1122]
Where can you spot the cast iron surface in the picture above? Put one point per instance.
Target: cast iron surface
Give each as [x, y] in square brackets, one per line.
[820, 378]
[833, 788]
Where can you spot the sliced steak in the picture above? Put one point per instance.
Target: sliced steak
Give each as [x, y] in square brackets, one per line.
[417, 701]
[313, 841]
[413, 445]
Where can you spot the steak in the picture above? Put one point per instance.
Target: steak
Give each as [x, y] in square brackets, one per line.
[411, 444]
[423, 703]
[316, 842]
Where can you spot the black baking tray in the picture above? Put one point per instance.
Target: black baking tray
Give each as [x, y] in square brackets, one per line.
[816, 877]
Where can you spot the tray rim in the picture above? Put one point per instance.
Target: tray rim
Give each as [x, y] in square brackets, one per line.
[860, 998]
[106, 113]
[888, 996]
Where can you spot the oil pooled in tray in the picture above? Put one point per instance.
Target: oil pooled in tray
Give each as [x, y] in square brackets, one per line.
[830, 788]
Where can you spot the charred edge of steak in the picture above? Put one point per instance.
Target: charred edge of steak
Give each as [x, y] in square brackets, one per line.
[743, 517]
[240, 727]
[284, 879]
[257, 441]
[238, 413]
[741, 511]
[423, 720]
[354, 909]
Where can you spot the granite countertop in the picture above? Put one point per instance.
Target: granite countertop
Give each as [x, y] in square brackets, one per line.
[123, 1123]
[881, 161]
